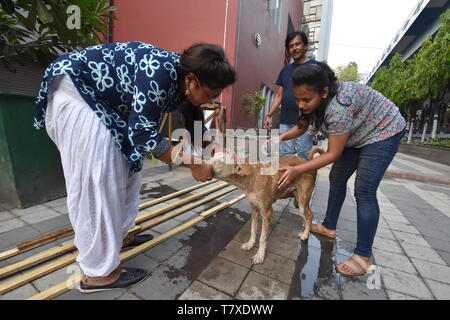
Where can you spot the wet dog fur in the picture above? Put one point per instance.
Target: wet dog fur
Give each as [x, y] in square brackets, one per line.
[262, 191]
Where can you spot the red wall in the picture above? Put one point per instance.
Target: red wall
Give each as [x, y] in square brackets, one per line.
[257, 65]
[176, 24]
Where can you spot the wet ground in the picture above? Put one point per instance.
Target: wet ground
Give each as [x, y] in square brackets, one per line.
[411, 250]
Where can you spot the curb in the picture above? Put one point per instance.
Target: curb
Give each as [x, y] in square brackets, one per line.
[417, 177]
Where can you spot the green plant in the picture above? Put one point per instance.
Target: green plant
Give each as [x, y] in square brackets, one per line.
[40, 28]
[424, 76]
[438, 142]
[253, 103]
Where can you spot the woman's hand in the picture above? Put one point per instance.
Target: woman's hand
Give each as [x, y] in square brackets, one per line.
[202, 172]
[290, 173]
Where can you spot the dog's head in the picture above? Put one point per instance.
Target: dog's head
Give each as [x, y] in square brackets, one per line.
[225, 165]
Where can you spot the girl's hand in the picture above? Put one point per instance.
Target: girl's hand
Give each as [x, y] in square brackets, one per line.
[202, 172]
[290, 173]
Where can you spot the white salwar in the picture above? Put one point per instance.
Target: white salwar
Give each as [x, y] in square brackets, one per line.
[102, 192]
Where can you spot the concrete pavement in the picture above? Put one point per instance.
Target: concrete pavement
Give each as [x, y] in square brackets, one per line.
[411, 249]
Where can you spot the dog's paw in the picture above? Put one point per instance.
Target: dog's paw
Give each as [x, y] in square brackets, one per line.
[304, 236]
[247, 246]
[258, 258]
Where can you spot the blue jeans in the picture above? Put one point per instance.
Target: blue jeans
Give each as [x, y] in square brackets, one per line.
[370, 163]
[304, 143]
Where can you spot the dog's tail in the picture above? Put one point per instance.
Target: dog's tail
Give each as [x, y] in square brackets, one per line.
[314, 151]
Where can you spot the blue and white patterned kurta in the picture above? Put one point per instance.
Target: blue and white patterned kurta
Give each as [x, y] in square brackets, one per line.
[128, 85]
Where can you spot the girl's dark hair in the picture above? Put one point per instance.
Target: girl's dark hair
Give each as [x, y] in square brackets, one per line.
[318, 76]
[211, 67]
[294, 34]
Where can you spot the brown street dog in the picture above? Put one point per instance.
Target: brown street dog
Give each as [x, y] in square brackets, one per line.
[262, 192]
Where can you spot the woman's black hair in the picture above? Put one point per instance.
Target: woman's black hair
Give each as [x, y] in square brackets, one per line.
[318, 76]
[294, 34]
[211, 67]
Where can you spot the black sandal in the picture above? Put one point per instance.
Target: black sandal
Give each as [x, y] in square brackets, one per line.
[128, 277]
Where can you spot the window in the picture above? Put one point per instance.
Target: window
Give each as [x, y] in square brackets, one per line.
[269, 95]
[274, 8]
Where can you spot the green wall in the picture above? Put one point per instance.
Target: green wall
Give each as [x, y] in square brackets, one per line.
[30, 165]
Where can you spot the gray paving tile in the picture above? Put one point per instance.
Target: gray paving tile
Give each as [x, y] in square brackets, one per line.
[394, 261]
[224, 275]
[164, 250]
[259, 287]
[20, 293]
[56, 203]
[387, 245]
[54, 224]
[201, 291]
[445, 256]
[142, 262]
[57, 276]
[359, 290]
[234, 253]
[403, 227]
[440, 290]
[40, 216]
[385, 233]
[74, 294]
[16, 236]
[399, 296]
[405, 283]
[166, 226]
[422, 253]
[33, 209]
[276, 267]
[128, 296]
[414, 239]
[61, 209]
[284, 241]
[6, 215]
[165, 283]
[432, 271]
[11, 224]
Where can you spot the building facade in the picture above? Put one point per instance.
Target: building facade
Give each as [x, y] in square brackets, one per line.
[317, 25]
[422, 22]
[252, 33]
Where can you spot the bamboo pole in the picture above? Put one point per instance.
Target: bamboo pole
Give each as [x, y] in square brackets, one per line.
[64, 286]
[21, 265]
[170, 134]
[50, 237]
[42, 271]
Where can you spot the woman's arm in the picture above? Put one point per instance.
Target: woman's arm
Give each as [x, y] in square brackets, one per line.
[336, 145]
[296, 131]
[200, 170]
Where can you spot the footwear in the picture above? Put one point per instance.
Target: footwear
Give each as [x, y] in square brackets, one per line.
[128, 277]
[136, 240]
[356, 265]
[320, 229]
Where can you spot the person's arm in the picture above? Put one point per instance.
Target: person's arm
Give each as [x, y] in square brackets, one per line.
[336, 145]
[295, 131]
[201, 171]
[275, 105]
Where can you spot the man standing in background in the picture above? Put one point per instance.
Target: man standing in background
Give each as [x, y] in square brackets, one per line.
[297, 45]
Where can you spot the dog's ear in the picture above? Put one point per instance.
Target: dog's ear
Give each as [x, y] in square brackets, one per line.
[242, 170]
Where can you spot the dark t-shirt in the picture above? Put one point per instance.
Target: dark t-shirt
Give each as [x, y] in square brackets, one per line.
[289, 112]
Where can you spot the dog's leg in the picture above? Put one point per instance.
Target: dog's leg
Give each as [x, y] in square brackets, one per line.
[266, 215]
[303, 199]
[251, 242]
